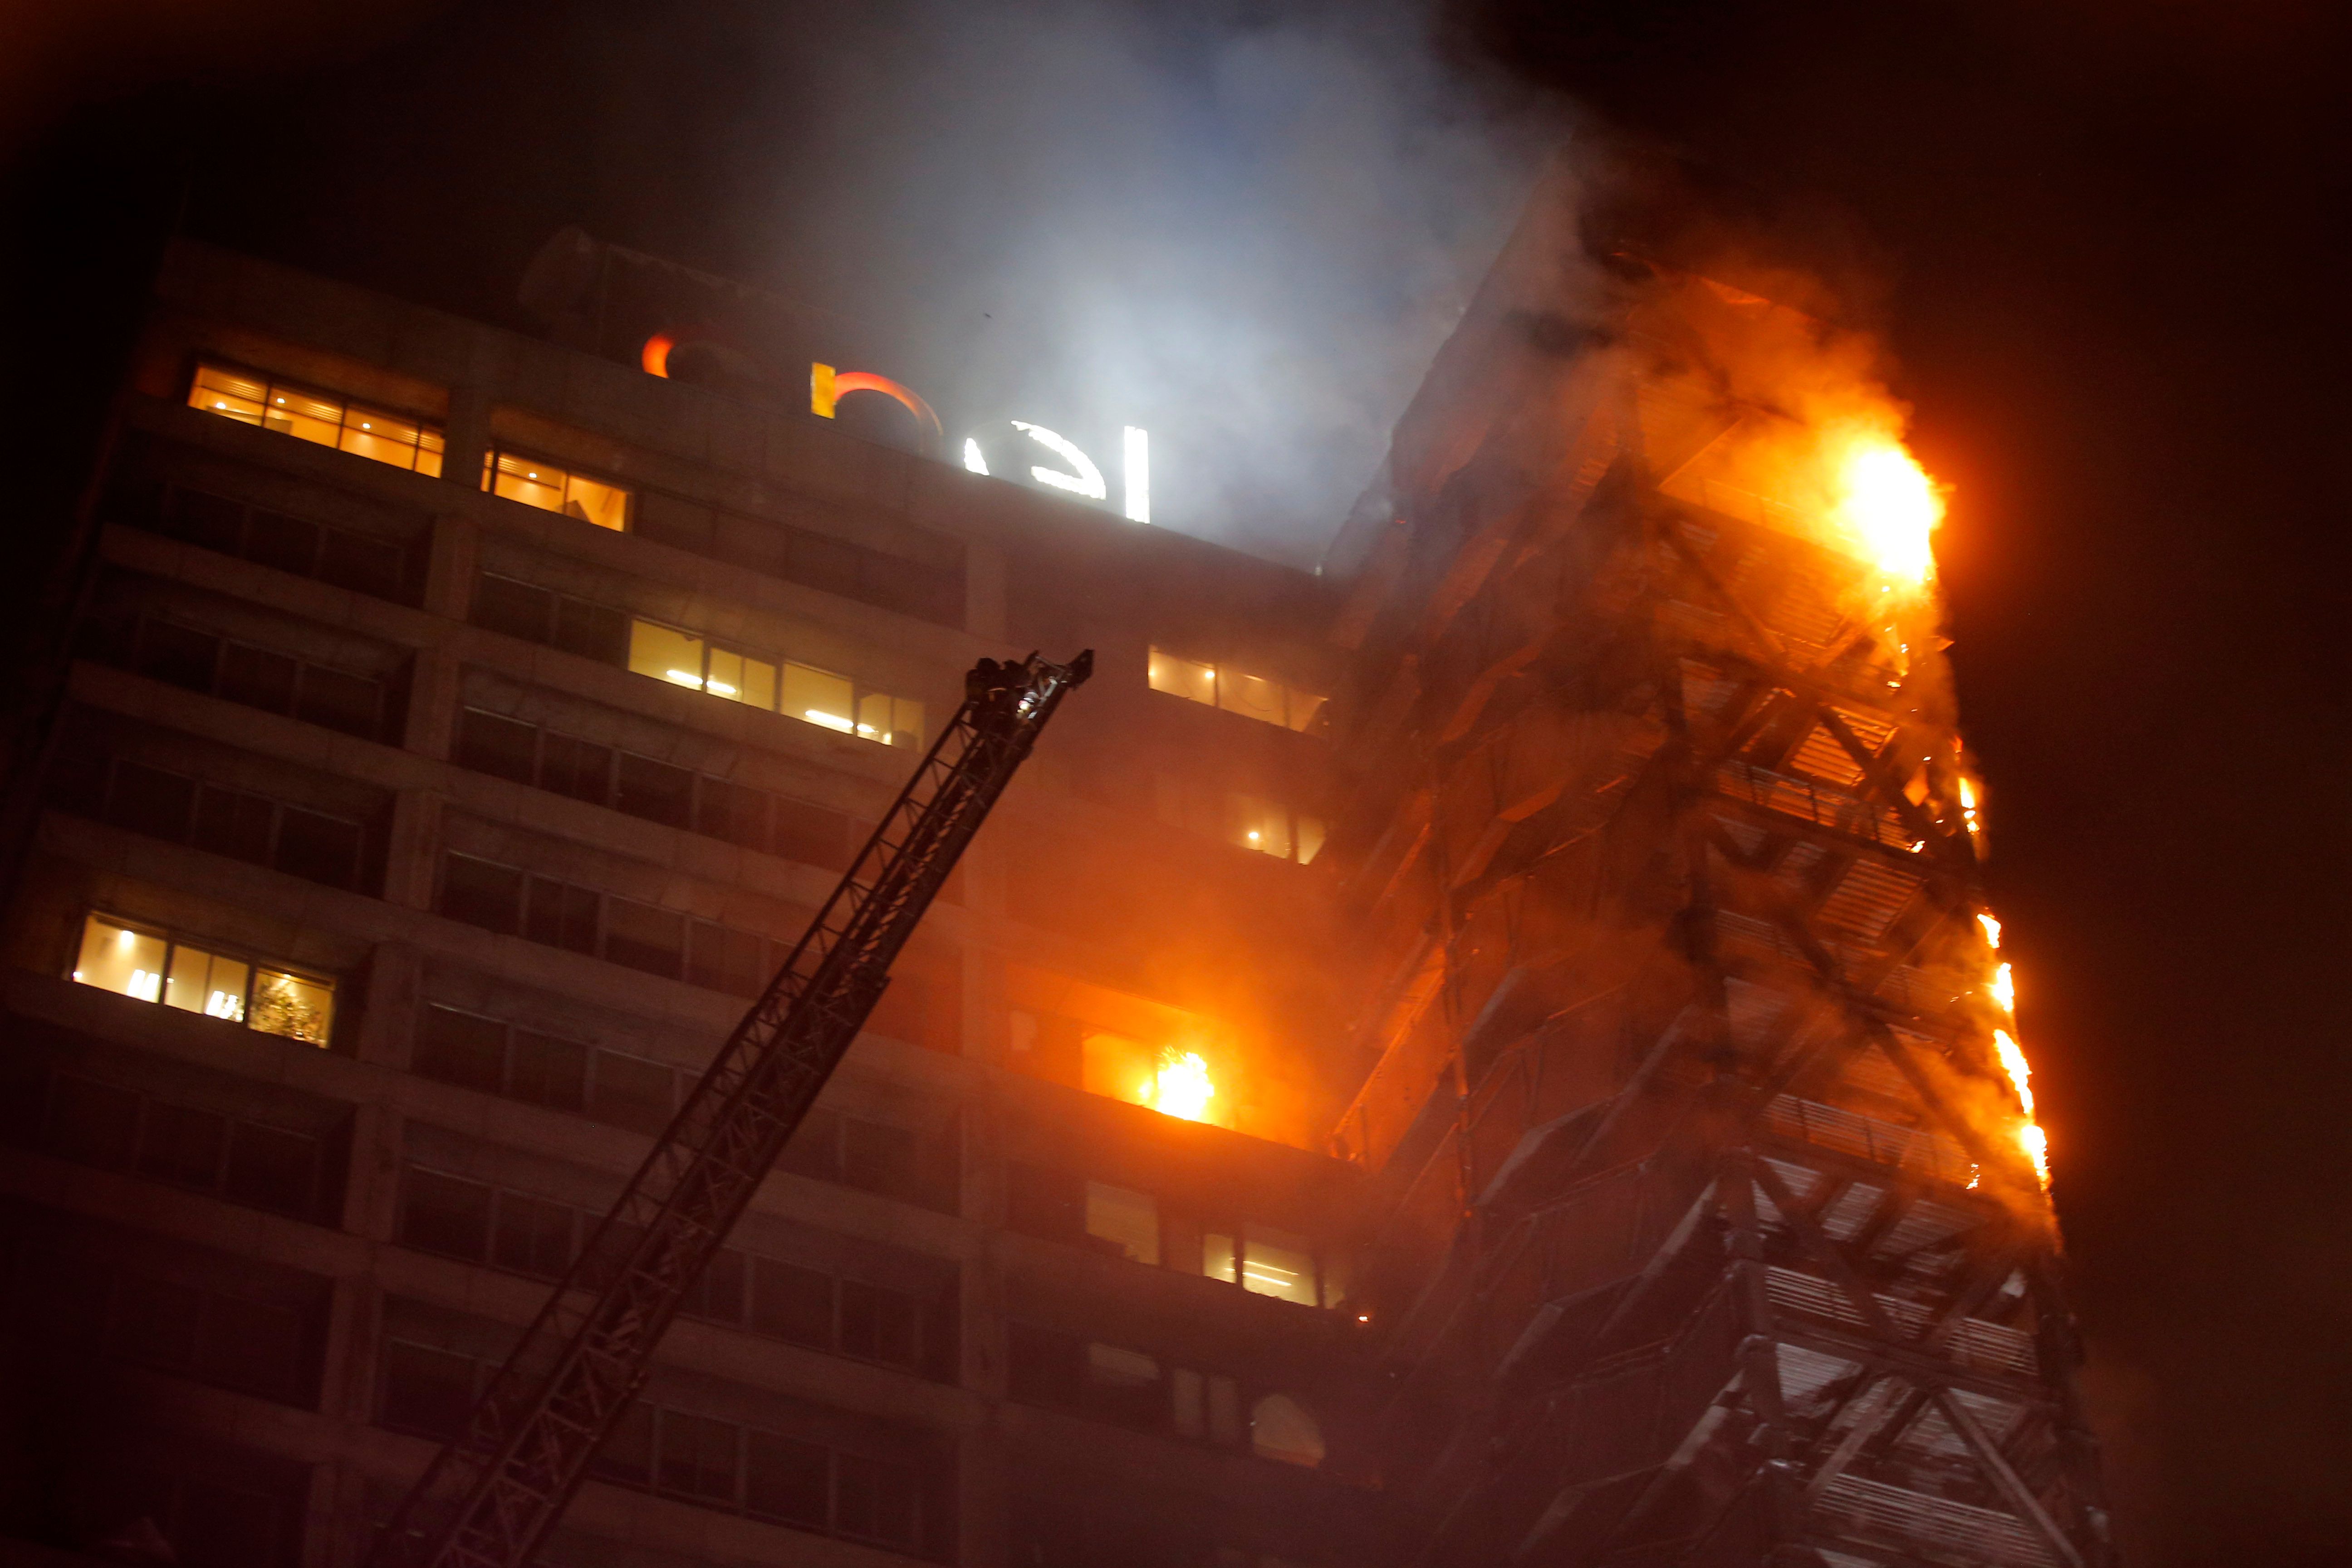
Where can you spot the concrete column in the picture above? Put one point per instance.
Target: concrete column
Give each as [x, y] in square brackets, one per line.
[433, 687]
[345, 1391]
[409, 857]
[468, 437]
[394, 974]
[449, 570]
[370, 1205]
[983, 1482]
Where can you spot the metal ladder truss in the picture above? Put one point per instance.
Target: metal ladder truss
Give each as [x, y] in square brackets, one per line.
[491, 1496]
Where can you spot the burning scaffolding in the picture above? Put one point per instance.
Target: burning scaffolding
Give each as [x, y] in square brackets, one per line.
[1719, 1232]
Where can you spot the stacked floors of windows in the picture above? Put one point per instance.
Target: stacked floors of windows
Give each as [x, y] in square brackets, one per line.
[927, 581]
[186, 1109]
[373, 930]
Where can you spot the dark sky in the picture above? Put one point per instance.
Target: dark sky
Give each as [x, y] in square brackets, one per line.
[2102, 242]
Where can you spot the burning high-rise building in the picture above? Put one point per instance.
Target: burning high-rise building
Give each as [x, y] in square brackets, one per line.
[1714, 1229]
[452, 728]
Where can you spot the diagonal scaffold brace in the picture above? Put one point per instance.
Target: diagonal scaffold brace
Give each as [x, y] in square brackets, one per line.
[491, 1497]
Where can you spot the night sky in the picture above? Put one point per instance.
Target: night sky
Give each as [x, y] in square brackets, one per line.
[2100, 239]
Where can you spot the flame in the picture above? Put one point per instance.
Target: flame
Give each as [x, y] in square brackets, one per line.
[2030, 1136]
[1888, 507]
[1991, 930]
[2004, 987]
[1181, 1087]
[1968, 820]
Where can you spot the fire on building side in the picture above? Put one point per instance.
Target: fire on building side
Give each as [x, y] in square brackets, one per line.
[1494, 1050]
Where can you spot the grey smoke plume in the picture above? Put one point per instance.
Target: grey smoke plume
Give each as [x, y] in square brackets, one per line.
[1245, 232]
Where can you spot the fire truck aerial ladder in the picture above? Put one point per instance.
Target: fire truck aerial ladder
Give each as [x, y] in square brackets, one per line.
[491, 1496]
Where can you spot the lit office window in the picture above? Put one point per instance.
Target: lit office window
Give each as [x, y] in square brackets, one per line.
[1248, 821]
[553, 488]
[322, 417]
[667, 654]
[820, 696]
[1184, 678]
[1267, 1262]
[801, 692]
[1272, 828]
[1251, 695]
[155, 968]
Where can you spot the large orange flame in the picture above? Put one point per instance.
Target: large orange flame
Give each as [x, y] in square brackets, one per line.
[2003, 988]
[1887, 507]
[1181, 1088]
[2030, 1136]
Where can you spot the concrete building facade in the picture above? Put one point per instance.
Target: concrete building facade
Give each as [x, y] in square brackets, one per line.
[457, 730]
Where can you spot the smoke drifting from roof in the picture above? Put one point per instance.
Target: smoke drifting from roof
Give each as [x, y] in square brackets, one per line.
[1244, 233]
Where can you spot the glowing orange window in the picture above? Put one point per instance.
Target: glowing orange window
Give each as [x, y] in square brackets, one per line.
[551, 487]
[323, 418]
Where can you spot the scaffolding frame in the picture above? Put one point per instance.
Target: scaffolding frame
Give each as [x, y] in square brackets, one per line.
[1706, 1244]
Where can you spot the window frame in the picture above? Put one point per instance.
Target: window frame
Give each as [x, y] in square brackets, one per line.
[496, 454]
[651, 1418]
[780, 668]
[174, 944]
[428, 439]
[1301, 712]
[301, 707]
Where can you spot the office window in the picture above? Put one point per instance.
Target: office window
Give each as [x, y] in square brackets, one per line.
[306, 548]
[631, 1092]
[1124, 1385]
[788, 1482]
[642, 937]
[1280, 1428]
[323, 417]
[655, 790]
[879, 1157]
[706, 1460]
[1126, 1222]
[820, 696]
[1251, 695]
[667, 654]
[236, 1323]
[1246, 821]
[525, 610]
[495, 1057]
[659, 792]
[1121, 1384]
[512, 902]
[798, 691]
[218, 819]
[553, 488]
[131, 962]
[1272, 828]
[246, 1161]
[446, 1214]
[1268, 1262]
[533, 1237]
[428, 1391]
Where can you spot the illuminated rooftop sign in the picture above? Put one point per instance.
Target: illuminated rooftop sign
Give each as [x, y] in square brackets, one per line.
[1078, 474]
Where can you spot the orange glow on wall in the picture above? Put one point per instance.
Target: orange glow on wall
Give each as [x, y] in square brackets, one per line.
[655, 357]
